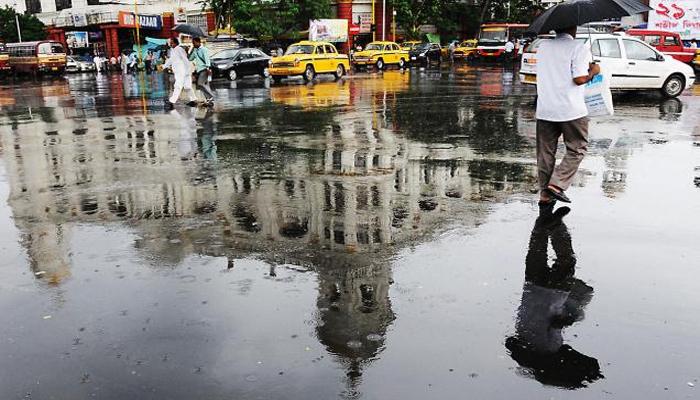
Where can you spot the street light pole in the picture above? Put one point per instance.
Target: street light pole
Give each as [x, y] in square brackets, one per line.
[383, 20]
[19, 31]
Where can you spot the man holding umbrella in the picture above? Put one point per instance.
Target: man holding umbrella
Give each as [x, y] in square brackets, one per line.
[564, 66]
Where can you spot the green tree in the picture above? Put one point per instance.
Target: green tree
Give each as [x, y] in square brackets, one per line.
[267, 18]
[411, 14]
[31, 27]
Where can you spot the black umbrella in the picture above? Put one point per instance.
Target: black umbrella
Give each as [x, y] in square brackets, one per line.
[188, 29]
[577, 12]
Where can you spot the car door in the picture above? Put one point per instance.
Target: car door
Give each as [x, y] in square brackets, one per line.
[608, 53]
[435, 52]
[320, 61]
[643, 65]
[331, 57]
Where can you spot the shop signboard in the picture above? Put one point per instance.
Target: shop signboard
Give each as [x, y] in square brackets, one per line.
[128, 20]
[328, 30]
[680, 16]
[95, 36]
[79, 20]
[364, 20]
[181, 16]
[77, 40]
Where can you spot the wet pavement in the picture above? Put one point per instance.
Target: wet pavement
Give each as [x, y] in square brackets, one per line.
[359, 239]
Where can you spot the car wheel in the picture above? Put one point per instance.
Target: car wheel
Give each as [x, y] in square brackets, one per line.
[277, 78]
[232, 74]
[309, 73]
[339, 71]
[673, 86]
[380, 64]
[402, 63]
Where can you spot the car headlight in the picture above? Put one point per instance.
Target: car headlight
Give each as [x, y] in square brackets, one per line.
[269, 63]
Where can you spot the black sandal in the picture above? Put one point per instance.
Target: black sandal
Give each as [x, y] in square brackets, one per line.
[561, 196]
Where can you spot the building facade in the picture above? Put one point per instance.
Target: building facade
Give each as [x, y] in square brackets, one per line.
[362, 15]
[109, 27]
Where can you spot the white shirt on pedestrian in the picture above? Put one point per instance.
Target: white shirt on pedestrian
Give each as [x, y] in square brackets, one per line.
[510, 46]
[559, 61]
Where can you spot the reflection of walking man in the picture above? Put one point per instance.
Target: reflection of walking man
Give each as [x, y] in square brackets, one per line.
[202, 66]
[564, 65]
[552, 300]
[181, 67]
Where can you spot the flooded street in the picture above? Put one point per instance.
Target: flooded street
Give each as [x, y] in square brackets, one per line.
[366, 238]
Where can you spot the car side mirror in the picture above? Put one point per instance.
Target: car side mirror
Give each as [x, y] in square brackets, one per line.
[660, 57]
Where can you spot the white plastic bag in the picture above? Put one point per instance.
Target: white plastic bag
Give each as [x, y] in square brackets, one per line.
[598, 97]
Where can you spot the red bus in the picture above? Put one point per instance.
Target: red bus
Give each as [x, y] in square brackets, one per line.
[493, 37]
[46, 56]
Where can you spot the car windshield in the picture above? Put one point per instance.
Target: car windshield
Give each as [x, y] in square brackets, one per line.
[411, 46]
[300, 49]
[373, 46]
[422, 46]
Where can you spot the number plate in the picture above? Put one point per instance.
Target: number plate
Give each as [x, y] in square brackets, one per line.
[54, 68]
[413, 58]
[530, 78]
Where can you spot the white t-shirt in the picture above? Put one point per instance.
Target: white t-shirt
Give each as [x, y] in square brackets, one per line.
[559, 61]
[510, 47]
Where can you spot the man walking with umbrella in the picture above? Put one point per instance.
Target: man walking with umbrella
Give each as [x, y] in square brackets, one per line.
[564, 66]
[202, 65]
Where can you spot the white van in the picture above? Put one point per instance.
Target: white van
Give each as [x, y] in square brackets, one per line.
[631, 63]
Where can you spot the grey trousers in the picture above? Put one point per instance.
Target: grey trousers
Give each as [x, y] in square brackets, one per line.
[203, 84]
[576, 140]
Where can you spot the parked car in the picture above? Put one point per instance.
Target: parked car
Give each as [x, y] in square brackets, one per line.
[696, 61]
[669, 43]
[308, 59]
[237, 63]
[78, 64]
[465, 51]
[379, 55]
[425, 53]
[630, 63]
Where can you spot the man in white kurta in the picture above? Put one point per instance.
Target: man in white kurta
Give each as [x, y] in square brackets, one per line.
[182, 70]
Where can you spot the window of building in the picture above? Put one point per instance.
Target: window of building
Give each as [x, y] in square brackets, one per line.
[63, 4]
[33, 6]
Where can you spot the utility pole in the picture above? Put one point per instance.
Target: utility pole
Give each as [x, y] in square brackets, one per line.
[19, 31]
[383, 20]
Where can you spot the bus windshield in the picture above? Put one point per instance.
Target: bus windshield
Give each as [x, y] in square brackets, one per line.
[493, 35]
[51, 48]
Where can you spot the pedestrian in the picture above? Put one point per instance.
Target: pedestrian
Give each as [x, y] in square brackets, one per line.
[124, 63]
[133, 62]
[182, 70]
[510, 48]
[113, 63]
[202, 66]
[564, 66]
[451, 50]
[148, 61]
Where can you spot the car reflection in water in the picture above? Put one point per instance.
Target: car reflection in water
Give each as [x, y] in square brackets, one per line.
[553, 299]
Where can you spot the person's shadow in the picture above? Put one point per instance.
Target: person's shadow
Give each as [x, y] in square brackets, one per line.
[552, 300]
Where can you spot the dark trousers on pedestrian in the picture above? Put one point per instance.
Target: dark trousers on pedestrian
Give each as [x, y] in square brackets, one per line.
[575, 134]
[203, 84]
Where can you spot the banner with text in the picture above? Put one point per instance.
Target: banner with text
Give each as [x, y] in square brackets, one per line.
[128, 20]
[680, 16]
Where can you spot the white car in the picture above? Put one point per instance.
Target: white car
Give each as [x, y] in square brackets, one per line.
[630, 63]
[74, 64]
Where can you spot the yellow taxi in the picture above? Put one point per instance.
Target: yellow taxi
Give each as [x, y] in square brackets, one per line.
[465, 50]
[410, 44]
[380, 54]
[308, 59]
[696, 61]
